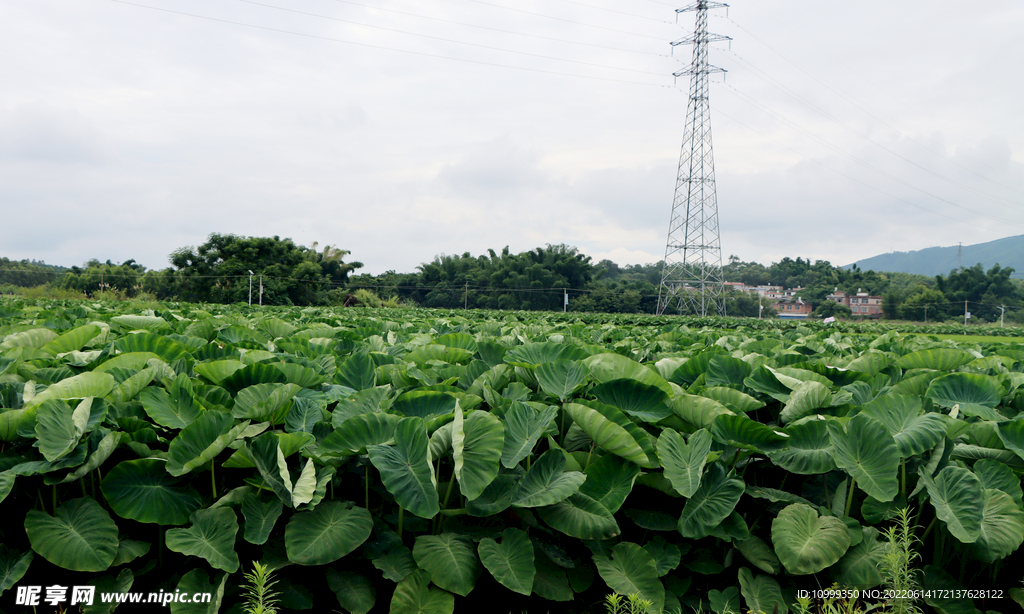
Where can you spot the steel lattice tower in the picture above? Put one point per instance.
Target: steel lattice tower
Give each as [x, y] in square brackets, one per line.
[692, 277]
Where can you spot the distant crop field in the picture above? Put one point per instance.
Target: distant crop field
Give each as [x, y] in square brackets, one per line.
[408, 461]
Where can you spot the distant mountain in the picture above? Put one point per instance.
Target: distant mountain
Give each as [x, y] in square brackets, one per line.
[1008, 252]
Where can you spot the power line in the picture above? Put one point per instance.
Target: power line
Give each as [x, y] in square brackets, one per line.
[866, 110]
[509, 8]
[490, 29]
[382, 47]
[441, 38]
[865, 164]
[776, 84]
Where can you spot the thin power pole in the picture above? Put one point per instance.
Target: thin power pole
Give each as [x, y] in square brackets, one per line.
[692, 278]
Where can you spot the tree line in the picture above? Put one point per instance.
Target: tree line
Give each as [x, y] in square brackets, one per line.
[218, 271]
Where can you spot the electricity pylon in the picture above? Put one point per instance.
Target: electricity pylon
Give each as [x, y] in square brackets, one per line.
[692, 277]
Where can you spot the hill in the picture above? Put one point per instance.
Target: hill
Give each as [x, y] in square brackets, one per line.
[1008, 252]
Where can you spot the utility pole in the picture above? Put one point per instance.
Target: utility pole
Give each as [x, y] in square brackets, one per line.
[1002, 313]
[565, 301]
[466, 305]
[250, 288]
[692, 277]
[261, 291]
[967, 314]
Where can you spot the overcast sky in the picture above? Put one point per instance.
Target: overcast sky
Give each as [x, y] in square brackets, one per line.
[404, 130]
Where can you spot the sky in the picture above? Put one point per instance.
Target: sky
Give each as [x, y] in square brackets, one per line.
[401, 131]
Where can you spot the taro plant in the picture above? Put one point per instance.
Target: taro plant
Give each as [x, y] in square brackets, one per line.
[428, 461]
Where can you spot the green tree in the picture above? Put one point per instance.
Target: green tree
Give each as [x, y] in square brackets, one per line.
[218, 270]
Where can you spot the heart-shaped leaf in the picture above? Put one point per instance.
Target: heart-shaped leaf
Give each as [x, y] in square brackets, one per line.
[805, 543]
[684, 462]
[405, 469]
[632, 570]
[712, 502]
[524, 426]
[326, 534]
[81, 537]
[959, 501]
[451, 560]
[211, 536]
[142, 490]
[511, 561]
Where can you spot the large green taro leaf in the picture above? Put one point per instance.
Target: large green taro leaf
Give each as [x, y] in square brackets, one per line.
[643, 401]
[580, 516]
[413, 595]
[260, 517]
[561, 378]
[357, 433]
[868, 453]
[1012, 436]
[939, 359]
[424, 403]
[211, 537]
[547, 482]
[904, 417]
[58, 427]
[137, 322]
[613, 432]
[805, 543]
[198, 582]
[524, 426]
[81, 537]
[959, 501]
[696, 410]
[326, 534]
[252, 375]
[173, 408]
[218, 370]
[808, 397]
[742, 432]
[711, 503]
[405, 469]
[684, 462]
[767, 381]
[609, 366]
[88, 384]
[200, 442]
[266, 453]
[1002, 527]
[735, 400]
[265, 402]
[477, 442]
[632, 570]
[859, 567]
[809, 451]
[761, 593]
[142, 490]
[167, 349]
[355, 593]
[758, 554]
[530, 355]
[511, 561]
[72, 340]
[976, 394]
[688, 372]
[34, 338]
[358, 372]
[13, 565]
[724, 370]
[994, 474]
[451, 560]
[609, 481]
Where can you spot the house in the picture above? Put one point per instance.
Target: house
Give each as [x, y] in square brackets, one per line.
[792, 308]
[860, 304]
